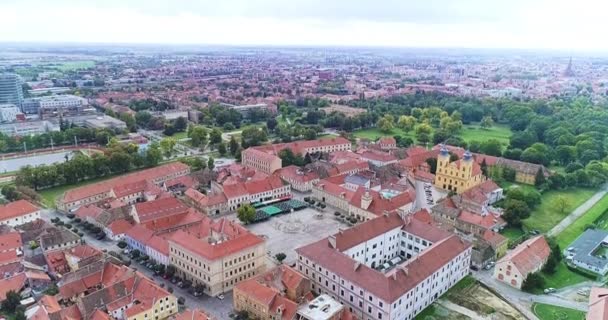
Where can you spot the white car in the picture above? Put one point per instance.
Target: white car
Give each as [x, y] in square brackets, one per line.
[220, 296]
[550, 290]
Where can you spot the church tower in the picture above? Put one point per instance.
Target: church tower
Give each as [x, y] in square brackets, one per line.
[443, 159]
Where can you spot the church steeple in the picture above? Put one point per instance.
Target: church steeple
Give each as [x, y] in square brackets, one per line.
[569, 72]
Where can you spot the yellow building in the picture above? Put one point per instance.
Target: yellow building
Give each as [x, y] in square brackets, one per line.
[458, 176]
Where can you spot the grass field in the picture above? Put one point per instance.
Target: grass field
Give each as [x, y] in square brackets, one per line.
[180, 135]
[562, 277]
[468, 133]
[546, 215]
[512, 233]
[499, 132]
[549, 312]
[572, 232]
[75, 65]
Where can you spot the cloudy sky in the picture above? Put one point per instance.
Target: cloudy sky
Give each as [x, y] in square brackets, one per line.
[544, 24]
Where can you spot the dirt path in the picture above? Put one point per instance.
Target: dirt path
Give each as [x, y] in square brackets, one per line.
[462, 310]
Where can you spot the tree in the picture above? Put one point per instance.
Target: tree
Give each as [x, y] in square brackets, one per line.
[221, 148]
[271, 124]
[561, 204]
[486, 122]
[170, 270]
[539, 179]
[211, 163]
[406, 123]
[142, 118]
[532, 282]
[287, 157]
[280, 257]
[234, 146]
[135, 253]
[215, 136]
[167, 145]
[491, 147]
[10, 193]
[153, 154]
[515, 211]
[121, 244]
[20, 314]
[253, 136]
[386, 123]
[180, 124]
[12, 301]
[246, 214]
[198, 135]
[423, 133]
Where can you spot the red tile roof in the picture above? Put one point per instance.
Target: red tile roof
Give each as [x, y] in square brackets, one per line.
[598, 304]
[155, 209]
[301, 146]
[16, 209]
[394, 284]
[195, 239]
[192, 315]
[297, 174]
[351, 237]
[14, 283]
[84, 251]
[120, 226]
[90, 210]
[529, 255]
[105, 186]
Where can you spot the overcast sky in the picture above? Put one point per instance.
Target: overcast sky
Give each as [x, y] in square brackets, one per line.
[536, 24]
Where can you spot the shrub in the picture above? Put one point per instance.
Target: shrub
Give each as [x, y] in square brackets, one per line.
[70, 215]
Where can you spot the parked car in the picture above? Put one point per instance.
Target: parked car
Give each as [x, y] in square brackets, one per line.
[474, 268]
[220, 296]
[550, 290]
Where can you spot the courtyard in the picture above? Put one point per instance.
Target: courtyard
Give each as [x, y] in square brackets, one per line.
[287, 232]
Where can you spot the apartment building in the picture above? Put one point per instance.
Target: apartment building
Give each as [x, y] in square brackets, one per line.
[217, 254]
[386, 268]
[260, 160]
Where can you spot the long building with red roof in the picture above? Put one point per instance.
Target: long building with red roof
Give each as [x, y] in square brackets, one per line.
[266, 158]
[125, 188]
[391, 267]
[18, 213]
[217, 254]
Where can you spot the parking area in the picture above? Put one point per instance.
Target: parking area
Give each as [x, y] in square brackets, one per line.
[285, 233]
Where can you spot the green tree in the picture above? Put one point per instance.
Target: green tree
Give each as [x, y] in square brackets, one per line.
[386, 123]
[253, 136]
[491, 147]
[153, 154]
[406, 123]
[12, 301]
[10, 193]
[486, 122]
[246, 214]
[221, 148]
[167, 145]
[280, 257]
[215, 136]
[211, 163]
[234, 146]
[198, 134]
[515, 211]
[532, 282]
[423, 133]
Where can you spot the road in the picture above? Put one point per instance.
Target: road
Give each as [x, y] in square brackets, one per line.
[522, 300]
[579, 211]
[219, 309]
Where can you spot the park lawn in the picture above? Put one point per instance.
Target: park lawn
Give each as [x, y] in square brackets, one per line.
[499, 132]
[565, 238]
[375, 133]
[180, 135]
[562, 277]
[550, 312]
[545, 216]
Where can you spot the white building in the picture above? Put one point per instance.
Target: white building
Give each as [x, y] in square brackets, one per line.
[386, 268]
[8, 112]
[28, 128]
[18, 213]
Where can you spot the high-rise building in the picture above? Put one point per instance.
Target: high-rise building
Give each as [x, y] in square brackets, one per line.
[11, 91]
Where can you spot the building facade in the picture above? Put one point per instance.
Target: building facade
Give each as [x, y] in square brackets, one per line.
[458, 176]
[394, 288]
[11, 90]
[217, 254]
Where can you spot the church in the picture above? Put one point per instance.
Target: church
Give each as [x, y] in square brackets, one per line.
[457, 176]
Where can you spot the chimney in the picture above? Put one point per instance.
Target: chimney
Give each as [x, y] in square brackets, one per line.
[357, 265]
[385, 213]
[405, 270]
